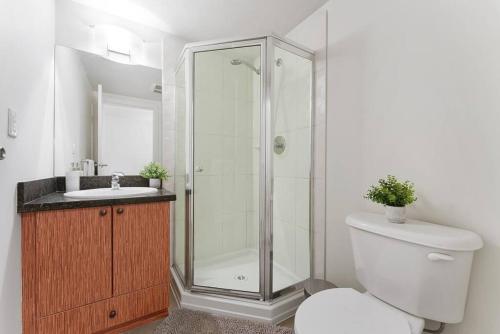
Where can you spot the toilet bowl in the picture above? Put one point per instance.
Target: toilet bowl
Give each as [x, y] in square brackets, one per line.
[346, 311]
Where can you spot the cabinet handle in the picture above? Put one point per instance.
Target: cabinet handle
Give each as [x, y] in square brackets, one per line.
[119, 211]
[103, 212]
[112, 314]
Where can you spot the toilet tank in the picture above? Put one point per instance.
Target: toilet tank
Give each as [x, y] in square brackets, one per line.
[418, 267]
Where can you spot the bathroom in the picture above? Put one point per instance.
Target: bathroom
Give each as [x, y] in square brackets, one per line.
[314, 100]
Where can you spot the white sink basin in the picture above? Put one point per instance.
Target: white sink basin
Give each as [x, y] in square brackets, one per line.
[110, 193]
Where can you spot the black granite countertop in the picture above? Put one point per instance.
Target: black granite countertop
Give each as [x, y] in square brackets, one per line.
[57, 201]
[48, 194]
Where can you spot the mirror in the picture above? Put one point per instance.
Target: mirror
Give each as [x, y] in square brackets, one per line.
[107, 114]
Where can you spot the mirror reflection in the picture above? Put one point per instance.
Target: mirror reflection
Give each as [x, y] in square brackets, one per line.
[107, 114]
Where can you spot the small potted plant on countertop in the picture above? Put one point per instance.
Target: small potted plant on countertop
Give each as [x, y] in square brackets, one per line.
[156, 173]
[394, 195]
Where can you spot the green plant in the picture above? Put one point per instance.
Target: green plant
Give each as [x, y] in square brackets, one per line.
[392, 192]
[154, 170]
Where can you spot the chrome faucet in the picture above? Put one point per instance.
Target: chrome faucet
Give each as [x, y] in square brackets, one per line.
[115, 180]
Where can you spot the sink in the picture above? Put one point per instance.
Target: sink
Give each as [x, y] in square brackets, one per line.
[110, 193]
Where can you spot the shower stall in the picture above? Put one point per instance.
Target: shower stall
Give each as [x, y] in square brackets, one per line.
[243, 220]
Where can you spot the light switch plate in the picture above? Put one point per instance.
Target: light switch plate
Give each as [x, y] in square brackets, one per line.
[12, 131]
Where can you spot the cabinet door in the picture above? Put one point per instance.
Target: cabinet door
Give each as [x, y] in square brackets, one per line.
[140, 246]
[73, 249]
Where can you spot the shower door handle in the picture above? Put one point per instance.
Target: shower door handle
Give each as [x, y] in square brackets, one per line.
[198, 169]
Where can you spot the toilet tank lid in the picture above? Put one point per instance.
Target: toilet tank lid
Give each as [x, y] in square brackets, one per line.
[417, 232]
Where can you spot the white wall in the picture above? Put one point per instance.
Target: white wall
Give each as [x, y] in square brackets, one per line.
[73, 110]
[26, 85]
[413, 91]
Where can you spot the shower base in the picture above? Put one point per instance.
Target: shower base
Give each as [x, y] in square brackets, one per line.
[238, 271]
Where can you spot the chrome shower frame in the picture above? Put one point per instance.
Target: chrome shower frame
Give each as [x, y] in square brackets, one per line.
[267, 45]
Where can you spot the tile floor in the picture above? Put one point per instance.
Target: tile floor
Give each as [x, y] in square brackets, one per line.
[148, 329]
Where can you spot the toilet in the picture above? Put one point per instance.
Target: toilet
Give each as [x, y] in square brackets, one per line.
[411, 272]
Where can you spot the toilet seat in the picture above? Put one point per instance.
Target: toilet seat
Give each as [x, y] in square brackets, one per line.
[346, 311]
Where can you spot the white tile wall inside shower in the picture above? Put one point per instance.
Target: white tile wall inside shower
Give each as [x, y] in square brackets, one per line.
[171, 48]
[226, 148]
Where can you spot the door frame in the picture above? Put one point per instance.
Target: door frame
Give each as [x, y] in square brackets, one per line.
[134, 102]
[190, 185]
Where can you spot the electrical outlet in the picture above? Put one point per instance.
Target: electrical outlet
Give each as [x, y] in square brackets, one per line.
[12, 131]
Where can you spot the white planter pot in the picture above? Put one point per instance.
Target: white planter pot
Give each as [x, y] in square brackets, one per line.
[395, 214]
[155, 183]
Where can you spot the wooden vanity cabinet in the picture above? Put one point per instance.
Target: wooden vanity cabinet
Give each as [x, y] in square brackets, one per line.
[95, 270]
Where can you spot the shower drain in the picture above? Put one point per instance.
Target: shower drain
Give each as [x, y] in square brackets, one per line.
[240, 278]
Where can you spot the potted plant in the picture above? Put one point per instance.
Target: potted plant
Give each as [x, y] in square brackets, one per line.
[394, 195]
[156, 173]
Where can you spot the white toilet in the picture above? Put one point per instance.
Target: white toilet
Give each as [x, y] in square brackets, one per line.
[412, 271]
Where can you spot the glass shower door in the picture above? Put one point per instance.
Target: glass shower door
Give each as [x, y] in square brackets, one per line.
[291, 145]
[226, 146]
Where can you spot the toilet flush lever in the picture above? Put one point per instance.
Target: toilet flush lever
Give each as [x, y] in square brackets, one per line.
[440, 257]
[2, 153]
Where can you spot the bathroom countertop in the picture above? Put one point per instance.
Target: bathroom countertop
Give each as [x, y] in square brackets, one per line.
[57, 201]
[44, 195]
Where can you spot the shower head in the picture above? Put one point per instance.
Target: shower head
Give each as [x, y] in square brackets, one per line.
[250, 66]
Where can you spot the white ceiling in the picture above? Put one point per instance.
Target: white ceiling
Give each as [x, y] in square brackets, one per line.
[197, 20]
